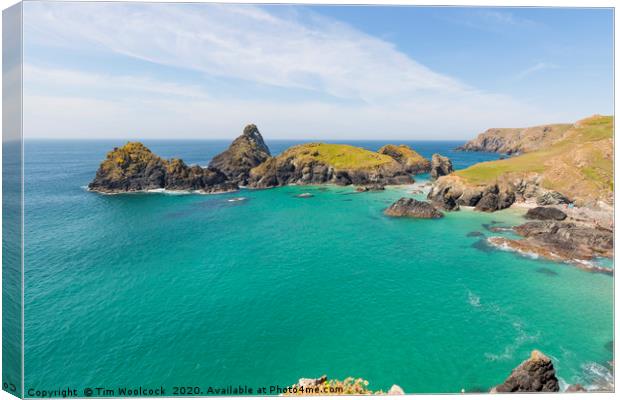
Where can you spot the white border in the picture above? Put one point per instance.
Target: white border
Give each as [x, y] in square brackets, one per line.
[481, 3]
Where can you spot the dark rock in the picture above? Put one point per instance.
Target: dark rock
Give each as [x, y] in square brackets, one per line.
[134, 167]
[440, 166]
[551, 198]
[489, 203]
[547, 271]
[545, 213]
[370, 188]
[246, 152]
[451, 192]
[406, 207]
[568, 240]
[475, 234]
[536, 374]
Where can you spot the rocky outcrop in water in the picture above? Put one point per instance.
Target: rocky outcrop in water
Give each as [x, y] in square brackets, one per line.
[535, 374]
[133, 168]
[406, 207]
[440, 166]
[451, 192]
[569, 239]
[545, 213]
[370, 188]
[246, 152]
[319, 163]
[562, 241]
[411, 161]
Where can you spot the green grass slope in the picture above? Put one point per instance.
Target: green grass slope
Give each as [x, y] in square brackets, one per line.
[580, 165]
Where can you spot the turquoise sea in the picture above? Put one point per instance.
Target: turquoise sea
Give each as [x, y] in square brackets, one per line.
[195, 290]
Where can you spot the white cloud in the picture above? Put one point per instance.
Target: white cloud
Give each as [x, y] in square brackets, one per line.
[72, 106]
[541, 66]
[378, 91]
[244, 42]
[38, 79]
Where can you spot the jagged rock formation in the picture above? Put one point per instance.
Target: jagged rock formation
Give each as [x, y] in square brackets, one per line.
[246, 152]
[405, 207]
[133, 168]
[551, 198]
[545, 213]
[451, 192]
[535, 374]
[412, 162]
[571, 240]
[440, 166]
[516, 140]
[317, 163]
[562, 241]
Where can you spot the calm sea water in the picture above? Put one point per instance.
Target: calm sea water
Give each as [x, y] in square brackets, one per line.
[156, 289]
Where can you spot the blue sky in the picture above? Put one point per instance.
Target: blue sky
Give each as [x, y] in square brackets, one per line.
[140, 70]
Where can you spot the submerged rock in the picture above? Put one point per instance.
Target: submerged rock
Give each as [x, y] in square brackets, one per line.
[535, 374]
[305, 195]
[440, 166]
[406, 207]
[245, 152]
[133, 167]
[545, 213]
[370, 188]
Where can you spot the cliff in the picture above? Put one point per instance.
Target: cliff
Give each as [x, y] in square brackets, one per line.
[246, 152]
[516, 140]
[578, 168]
[133, 168]
[318, 163]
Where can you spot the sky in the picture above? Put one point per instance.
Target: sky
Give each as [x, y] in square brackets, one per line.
[203, 71]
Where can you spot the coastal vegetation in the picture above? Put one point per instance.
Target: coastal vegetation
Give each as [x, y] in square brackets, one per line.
[578, 164]
[248, 162]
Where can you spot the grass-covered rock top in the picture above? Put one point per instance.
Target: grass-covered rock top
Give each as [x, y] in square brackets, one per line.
[580, 165]
[134, 168]
[342, 164]
[248, 162]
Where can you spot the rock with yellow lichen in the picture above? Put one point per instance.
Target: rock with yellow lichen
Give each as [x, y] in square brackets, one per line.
[134, 168]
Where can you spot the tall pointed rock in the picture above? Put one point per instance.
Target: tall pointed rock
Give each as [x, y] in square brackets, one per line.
[245, 152]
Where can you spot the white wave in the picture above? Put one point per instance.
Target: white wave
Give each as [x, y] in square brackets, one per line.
[599, 377]
[473, 299]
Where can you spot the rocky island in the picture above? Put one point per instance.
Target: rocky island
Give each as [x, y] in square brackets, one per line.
[340, 164]
[248, 162]
[405, 207]
[134, 168]
[246, 152]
